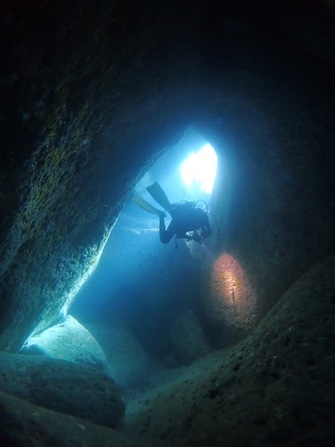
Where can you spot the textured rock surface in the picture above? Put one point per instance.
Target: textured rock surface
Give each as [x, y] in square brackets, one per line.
[128, 363]
[62, 386]
[188, 337]
[92, 94]
[275, 388]
[23, 424]
[79, 108]
[69, 341]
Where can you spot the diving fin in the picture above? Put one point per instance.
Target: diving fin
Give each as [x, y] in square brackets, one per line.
[157, 193]
[146, 206]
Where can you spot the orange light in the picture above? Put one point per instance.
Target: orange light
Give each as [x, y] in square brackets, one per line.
[232, 298]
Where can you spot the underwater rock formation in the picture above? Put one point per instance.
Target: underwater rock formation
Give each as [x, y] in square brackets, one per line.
[92, 94]
[276, 387]
[69, 341]
[23, 423]
[188, 337]
[66, 387]
[128, 364]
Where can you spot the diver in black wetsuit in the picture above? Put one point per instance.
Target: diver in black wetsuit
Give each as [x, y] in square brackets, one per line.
[186, 217]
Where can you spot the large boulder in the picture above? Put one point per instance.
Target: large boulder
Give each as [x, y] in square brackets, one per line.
[68, 340]
[276, 387]
[23, 424]
[188, 337]
[69, 388]
[128, 363]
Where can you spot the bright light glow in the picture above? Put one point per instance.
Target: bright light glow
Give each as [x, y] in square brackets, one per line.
[232, 298]
[200, 169]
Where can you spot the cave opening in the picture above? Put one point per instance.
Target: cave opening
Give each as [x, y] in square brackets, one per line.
[141, 287]
[132, 302]
[95, 93]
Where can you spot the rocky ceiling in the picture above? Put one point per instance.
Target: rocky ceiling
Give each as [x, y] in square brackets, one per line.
[93, 92]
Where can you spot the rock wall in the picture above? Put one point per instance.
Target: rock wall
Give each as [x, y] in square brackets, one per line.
[93, 93]
[83, 85]
[274, 388]
[66, 387]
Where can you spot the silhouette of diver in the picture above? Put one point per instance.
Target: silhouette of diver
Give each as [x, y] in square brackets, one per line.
[186, 217]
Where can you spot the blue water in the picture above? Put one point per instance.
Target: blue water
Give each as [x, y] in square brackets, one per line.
[140, 281]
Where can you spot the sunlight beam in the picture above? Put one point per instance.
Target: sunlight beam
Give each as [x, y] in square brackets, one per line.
[200, 169]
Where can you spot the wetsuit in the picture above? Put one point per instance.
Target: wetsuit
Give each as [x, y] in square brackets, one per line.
[185, 217]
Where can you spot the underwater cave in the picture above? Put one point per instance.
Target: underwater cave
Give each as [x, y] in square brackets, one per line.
[114, 330]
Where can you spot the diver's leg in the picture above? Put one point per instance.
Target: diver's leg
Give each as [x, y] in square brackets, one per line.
[165, 235]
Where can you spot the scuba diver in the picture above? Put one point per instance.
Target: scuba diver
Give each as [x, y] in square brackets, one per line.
[186, 217]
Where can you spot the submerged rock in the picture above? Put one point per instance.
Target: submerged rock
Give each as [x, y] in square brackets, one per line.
[23, 424]
[128, 363]
[70, 341]
[188, 338]
[276, 387]
[69, 388]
